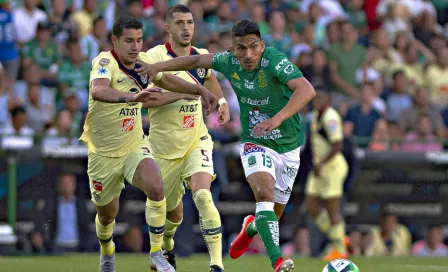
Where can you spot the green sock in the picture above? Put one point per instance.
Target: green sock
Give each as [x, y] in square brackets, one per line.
[251, 229]
[267, 226]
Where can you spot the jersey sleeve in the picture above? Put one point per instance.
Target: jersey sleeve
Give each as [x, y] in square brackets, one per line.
[282, 67]
[102, 68]
[220, 61]
[333, 127]
[150, 58]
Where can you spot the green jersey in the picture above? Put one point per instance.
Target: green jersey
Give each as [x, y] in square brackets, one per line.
[43, 57]
[261, 94]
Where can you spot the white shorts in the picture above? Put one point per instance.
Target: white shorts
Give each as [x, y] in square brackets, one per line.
[282, 167]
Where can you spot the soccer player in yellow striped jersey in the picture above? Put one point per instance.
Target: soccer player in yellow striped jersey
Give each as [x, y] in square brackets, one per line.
[326, 181]
[114, 137]
[180, 140]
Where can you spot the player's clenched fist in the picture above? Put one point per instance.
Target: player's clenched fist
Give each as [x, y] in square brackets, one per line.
[209, 100]
[147, 95]
[146, 69]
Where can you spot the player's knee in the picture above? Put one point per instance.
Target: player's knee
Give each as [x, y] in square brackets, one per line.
[106, 219]
[335, 217]
[312, 210]
[263, 195]
[153, 190]
[175, 216]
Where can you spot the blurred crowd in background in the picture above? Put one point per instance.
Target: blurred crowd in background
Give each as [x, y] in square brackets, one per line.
[384, 62]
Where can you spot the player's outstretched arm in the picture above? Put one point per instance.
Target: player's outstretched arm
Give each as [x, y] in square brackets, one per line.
[101, 91]
[303, 92]
[176, 64]
[168, 98]
[178, 85]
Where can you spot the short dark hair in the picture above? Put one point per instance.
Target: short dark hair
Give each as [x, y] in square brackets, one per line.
[245, 27]
[97, 19]
[176, 8]
[17, 110]
[398, 73]
[125, 22]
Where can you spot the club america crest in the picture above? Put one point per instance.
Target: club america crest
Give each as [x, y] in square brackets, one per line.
[144, 79]
[201, 72]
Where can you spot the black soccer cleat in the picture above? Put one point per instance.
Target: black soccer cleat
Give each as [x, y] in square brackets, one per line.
[215, 268]
[170, 256]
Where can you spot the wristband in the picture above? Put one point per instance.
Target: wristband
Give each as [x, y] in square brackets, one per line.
[221, 101]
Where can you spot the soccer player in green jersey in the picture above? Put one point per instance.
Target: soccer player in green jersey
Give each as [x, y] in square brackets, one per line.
[271, 90]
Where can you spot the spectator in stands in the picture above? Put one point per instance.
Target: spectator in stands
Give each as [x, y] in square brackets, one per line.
[43, 52]
[360, 120]
[26, 19]
[306, 44]
[258, 15]
[382, 138]
[426, 27]
[357, 16]
[61, 132]
[355, 247]
[72, 104]
[4, 100]
[366, 73]
[74, 74]
[18, 125]
[300, 245]
[62, 223]
[318, 73]
[9, 57]
[39, 114]
[345, 58]
[411, 67]
[58, 22]
[399, 99]
[93, 43]
[84, 18]
[433, 245]
[389, 239]
[386, 54]
[409, 116]
[423, 138]
[135, 9]
[395, 16]
[436, 78]
[277, 37]
[333, 34]
[132, 240]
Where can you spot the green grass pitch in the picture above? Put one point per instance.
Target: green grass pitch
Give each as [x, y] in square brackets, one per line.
[199, 263]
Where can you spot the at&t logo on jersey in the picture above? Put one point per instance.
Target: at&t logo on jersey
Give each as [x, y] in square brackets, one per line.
[250, 148]
[188, 121]
[128, 124]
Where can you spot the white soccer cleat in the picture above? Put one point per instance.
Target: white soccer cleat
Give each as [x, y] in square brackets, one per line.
[160, 262]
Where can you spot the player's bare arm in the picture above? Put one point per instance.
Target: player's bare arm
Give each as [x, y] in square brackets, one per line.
[176, 64]
[212, 84]
[168, 98]
[101, 91]
[303, 92]
[335, 149]
[178, 85]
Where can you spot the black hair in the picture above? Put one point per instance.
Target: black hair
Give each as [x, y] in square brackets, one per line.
[245, 27]
[97, 19]
[17, 110]
[125, 22]
[176, 8]
[397, 73]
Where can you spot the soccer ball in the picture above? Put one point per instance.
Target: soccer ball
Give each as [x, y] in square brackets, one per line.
[341, 265]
